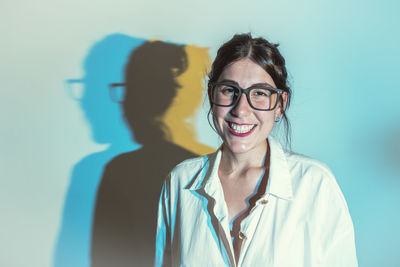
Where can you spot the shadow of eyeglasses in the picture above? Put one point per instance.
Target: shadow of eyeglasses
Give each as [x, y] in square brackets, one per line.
[75, 90]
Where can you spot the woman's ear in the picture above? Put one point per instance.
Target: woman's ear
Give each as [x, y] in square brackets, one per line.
[281, 105]
[284, 98]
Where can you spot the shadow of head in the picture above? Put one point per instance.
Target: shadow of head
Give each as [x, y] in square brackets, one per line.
[104, 65]
[151, 85]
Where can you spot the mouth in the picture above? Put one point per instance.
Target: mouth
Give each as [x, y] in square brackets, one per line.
[240, 129]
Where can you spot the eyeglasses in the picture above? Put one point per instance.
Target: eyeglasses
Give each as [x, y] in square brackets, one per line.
[76, 90]
[260, 97]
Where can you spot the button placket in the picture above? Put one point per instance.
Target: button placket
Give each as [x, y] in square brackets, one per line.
[248, 226]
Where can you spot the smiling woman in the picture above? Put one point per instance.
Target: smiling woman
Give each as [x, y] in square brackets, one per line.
[236, 117]
[251, 203]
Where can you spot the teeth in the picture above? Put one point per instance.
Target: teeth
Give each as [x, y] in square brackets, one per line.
[241, 128]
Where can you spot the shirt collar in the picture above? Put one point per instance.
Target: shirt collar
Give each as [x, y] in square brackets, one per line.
[279, 182]
[207, 177]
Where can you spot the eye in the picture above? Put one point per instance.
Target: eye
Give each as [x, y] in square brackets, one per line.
[261, 93]
[226, 90]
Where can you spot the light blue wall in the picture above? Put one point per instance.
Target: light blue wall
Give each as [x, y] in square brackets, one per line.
[345, 113]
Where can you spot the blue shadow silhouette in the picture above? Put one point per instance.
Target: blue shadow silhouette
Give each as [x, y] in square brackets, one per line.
[103, 65]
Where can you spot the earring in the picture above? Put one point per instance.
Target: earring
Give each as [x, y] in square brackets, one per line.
[277, 119]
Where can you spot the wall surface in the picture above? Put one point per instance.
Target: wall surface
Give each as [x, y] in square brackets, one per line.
[343, 61]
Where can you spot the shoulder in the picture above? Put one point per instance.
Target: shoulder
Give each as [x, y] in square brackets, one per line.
[188, 169]
[314, 178]
[302, 165]
[189, 165]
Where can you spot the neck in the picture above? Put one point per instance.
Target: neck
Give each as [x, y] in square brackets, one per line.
[238, 162]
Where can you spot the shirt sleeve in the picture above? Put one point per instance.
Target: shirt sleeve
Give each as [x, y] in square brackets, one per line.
[163, 236]
[335, 244]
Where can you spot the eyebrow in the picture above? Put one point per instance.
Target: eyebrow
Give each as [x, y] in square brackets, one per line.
[256, 84]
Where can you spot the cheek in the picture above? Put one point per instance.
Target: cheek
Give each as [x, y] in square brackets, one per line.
[266, 118]
[218, 117]
[219, 113]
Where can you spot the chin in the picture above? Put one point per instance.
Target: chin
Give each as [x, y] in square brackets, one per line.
[238, 147]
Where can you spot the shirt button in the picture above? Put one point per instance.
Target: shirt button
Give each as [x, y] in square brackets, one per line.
[264, 201]
[242, 235]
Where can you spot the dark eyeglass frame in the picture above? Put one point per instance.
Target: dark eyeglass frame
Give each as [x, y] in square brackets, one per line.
[247, 93]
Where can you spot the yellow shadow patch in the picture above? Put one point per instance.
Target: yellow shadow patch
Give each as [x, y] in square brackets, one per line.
[180, 117]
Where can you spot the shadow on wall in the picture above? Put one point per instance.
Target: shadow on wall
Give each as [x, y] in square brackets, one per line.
[102, 65]
[162, 91]
[392, 149]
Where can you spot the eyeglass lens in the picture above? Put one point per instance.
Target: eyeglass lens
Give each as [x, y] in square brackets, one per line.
[260, 98]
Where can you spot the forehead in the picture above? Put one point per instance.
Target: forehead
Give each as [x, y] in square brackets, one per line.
[246, 73]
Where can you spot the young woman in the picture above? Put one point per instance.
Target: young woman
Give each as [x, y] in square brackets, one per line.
[251, 203]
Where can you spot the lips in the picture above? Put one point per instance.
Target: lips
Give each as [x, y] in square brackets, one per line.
[240, 129]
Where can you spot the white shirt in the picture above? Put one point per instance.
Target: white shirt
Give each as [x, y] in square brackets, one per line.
[301, 220]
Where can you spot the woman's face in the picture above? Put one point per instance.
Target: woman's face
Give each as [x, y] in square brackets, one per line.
[242, 128]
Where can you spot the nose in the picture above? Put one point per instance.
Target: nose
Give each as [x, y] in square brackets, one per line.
[242, 107]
